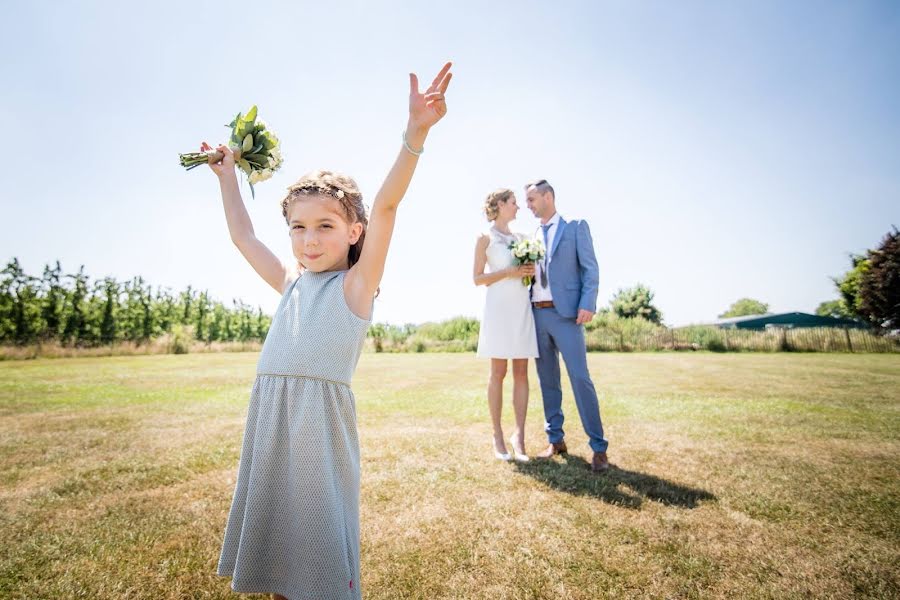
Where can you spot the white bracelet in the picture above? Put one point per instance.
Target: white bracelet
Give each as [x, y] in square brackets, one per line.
[409, 149]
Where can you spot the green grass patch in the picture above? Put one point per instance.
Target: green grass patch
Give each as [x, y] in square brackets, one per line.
[735, 475]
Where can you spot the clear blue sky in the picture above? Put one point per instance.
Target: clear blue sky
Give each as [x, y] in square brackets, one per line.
[717, 149]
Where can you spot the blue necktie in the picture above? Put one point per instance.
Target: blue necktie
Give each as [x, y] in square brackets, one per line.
[544, 281]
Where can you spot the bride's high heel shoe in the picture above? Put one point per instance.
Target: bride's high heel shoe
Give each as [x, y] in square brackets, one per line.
[504, 456]
[519, 457]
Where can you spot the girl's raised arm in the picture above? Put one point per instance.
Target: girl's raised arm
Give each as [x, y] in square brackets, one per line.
[263, 260]
[425, 109]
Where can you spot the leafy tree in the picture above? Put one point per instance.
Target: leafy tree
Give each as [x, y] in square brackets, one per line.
[76, 328]
[377, 331]
[7, 303]
[878, 292]
[20, 305]
[108, 324]
[744, 307]
[263, 321]
[636, 302]
[834, 308]
[870, 290]
[187, 301]
[848, 285]
[201, 314]
[54, 295]
[165, 310]
[245, 329]
[216, 323]
[148, 314]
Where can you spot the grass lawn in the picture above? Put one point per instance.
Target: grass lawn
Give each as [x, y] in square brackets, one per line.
[735, 476]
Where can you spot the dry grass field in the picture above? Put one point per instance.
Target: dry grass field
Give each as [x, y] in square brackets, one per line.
[736, 476]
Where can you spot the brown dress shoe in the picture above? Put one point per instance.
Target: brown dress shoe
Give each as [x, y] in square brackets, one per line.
[599, 463]
[557, 448]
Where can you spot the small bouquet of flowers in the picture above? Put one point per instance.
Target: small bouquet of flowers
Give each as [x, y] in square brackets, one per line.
[526, 252]
[257, 151]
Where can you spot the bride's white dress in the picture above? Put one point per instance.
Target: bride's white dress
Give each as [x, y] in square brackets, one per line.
[507, 326]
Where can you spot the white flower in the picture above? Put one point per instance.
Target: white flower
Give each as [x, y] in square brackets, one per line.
[253, 177]
[265, 174]
[339, 194]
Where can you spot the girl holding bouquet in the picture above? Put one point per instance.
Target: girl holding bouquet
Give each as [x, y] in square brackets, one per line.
[507, 325]
[293, 527]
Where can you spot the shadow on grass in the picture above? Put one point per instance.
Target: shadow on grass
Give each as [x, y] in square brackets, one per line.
[617, 486]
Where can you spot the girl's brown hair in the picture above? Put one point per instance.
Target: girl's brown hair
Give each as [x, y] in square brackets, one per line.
[340, 187]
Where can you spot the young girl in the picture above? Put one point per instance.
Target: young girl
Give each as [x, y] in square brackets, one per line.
[293, 528]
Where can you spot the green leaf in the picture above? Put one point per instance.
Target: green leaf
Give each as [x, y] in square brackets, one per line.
[247, 143]
[245, 166]
[251, 114]
[234, 121]
[252, 191]
[267, 140]
[243, 128]
[256, 148]
[258, 159]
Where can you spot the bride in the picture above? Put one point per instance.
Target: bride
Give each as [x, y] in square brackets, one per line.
[507, 326]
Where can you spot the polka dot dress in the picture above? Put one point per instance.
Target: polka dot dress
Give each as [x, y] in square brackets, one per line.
[293, 528]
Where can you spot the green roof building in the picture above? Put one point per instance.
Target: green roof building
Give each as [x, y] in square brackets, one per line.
[786, 320]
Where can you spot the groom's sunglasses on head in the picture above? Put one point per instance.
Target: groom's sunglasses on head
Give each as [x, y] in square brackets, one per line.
[537, 184]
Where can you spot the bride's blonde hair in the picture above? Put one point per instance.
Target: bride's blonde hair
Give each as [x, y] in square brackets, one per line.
[492, 203]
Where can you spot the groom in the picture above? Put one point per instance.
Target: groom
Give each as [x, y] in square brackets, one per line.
[564, 298]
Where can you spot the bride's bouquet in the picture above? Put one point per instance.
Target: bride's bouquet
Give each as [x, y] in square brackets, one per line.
[257, 151]
[526, 252]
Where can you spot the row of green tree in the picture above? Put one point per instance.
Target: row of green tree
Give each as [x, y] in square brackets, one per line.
[74, 311]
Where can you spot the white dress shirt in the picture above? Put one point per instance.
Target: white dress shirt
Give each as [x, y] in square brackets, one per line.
[538, 293]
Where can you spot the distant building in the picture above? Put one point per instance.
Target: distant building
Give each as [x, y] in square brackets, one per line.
[789, 320]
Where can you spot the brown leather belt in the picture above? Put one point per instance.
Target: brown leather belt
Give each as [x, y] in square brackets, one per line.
[543, 304]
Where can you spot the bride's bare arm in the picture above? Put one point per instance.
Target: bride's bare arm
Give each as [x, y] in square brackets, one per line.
[482, 278]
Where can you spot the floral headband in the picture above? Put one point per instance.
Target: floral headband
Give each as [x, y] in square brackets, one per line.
[314, 188]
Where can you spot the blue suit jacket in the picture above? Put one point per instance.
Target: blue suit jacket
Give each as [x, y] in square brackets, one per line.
[574, 276]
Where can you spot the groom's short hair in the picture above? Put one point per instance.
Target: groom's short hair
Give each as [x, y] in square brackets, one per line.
[542, 186]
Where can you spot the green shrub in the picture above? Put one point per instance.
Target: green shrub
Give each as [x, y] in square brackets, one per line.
[180, 339]
[715, 345]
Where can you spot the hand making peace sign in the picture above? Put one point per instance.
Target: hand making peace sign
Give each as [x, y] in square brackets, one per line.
[428, 107]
